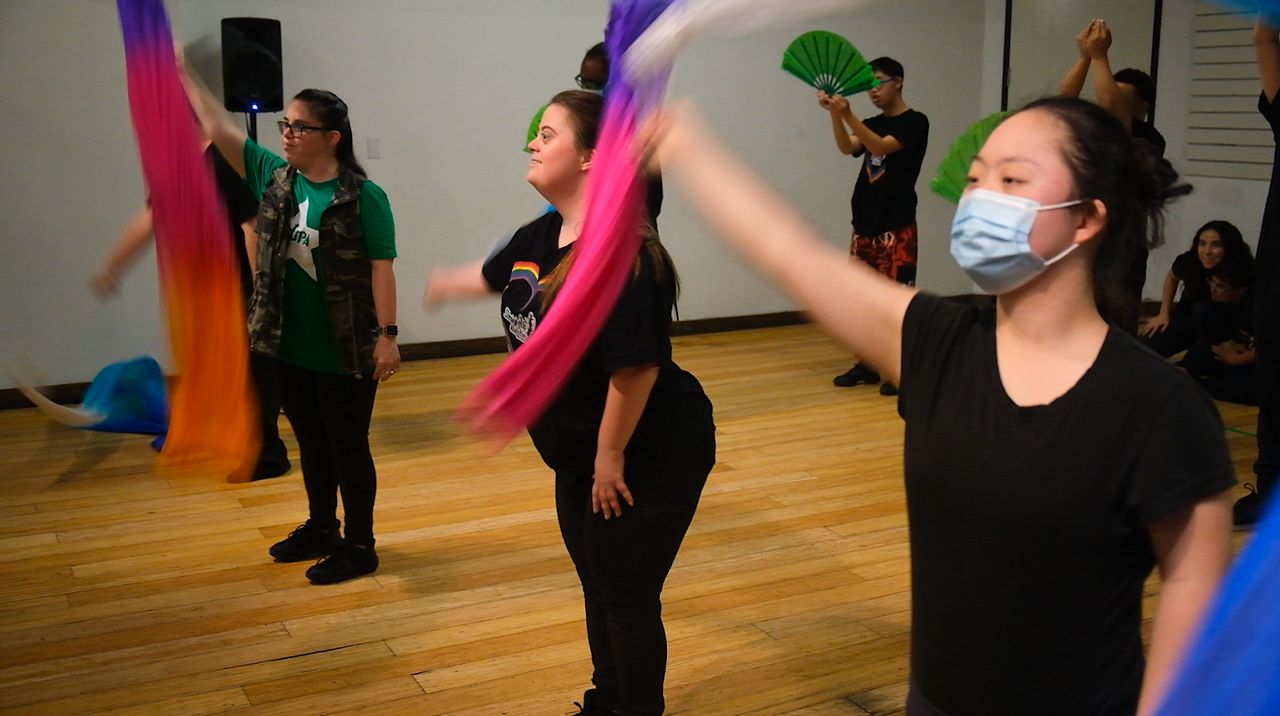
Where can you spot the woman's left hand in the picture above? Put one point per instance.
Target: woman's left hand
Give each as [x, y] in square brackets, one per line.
[609, 489]
[386, 358]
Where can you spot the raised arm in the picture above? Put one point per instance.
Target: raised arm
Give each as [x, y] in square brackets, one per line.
[858, 306]
[1104, 80]
[1266, 44]
[217, 123]
[1074, 80]
[845, 141]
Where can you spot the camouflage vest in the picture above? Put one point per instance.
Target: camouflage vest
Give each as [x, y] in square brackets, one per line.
[345, 271]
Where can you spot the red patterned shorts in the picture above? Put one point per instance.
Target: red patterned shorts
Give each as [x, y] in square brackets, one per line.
[892, 253]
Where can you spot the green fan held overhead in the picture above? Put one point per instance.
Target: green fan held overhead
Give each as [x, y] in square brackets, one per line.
[953, 172]
[829, 62]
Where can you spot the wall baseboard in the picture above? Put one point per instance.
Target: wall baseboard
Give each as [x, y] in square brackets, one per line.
[73, 393]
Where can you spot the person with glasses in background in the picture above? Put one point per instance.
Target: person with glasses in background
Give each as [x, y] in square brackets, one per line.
[593, 76]
[892, 146]
[593, 73]
[324, 306]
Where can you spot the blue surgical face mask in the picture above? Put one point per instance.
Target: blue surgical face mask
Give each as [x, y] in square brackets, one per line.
[989, 239]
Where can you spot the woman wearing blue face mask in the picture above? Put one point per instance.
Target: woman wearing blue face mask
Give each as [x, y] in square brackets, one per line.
[1050, 460]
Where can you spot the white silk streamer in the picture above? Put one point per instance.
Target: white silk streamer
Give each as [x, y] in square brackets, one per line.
[657, 48]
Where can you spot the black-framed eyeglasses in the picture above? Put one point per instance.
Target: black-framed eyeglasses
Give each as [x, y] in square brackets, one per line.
[297, 129]
[593, 85]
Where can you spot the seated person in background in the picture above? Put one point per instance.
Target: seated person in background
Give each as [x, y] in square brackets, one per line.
[1222, 358]
[1217, 243]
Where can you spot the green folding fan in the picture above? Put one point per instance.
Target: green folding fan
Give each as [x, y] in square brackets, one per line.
[534, 126]
[828, 62]
[953, 172]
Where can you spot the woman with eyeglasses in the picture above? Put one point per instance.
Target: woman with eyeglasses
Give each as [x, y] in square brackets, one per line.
[1051, 461]
[324, 305]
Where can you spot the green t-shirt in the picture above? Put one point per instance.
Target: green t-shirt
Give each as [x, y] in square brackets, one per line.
[306, 338]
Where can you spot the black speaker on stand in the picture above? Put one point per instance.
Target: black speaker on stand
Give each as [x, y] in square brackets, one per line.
[252, 69]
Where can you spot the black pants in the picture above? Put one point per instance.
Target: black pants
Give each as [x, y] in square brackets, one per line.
[273, 455]
[1266, 320]
[623, 562]
[330, 417]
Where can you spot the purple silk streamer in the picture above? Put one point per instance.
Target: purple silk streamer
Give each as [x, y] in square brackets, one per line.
[213, 413]
[516, 394]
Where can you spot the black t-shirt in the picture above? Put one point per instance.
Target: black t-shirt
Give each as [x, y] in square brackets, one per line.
[1195, 279]
[635, 334]
[884, 199]
[1267, 261]
[1029, 545]
[242, 205]
[1144, 131]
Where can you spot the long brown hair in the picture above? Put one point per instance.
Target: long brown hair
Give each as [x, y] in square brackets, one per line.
[586, 109]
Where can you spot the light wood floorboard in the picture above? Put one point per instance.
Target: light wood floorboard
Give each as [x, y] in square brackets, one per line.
[129, 590]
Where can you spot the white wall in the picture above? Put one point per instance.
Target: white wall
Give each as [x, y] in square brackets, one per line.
[448, 88]
[1236, 200]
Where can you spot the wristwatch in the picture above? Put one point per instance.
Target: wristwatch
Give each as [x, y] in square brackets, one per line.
[388, 330]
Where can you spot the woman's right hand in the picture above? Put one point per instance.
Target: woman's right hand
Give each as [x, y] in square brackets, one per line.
[435, 295]
[1155, 325]
[1082, 40]
[105, 283]
[824, 101]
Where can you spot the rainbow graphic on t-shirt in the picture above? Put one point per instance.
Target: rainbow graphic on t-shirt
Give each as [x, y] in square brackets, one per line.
[526, 272]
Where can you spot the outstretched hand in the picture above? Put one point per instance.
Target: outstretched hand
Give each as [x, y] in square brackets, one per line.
[1155, 325]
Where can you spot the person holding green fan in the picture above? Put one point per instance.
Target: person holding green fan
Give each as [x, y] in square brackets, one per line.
[892, 146]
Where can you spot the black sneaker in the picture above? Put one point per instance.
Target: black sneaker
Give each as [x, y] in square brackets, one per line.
[1248, 509]
[308, 541]
[887, 388]
[347, 561]
[855, 375]
[273, 461]
[592, 705]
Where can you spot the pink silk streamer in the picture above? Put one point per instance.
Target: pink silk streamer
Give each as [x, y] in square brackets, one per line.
[516, 394]
[212, 416]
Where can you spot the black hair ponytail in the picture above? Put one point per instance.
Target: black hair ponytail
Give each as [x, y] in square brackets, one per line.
[333, 115]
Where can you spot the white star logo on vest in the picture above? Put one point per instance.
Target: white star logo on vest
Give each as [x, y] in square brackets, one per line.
[303, 241]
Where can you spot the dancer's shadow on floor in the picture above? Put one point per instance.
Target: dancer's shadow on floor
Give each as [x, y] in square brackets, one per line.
[423, 430]
[68, 454]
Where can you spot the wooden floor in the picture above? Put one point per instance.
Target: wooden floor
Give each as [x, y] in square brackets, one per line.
[125, 591]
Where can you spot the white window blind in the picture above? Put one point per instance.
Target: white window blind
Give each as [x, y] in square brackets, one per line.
[1226, 137]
